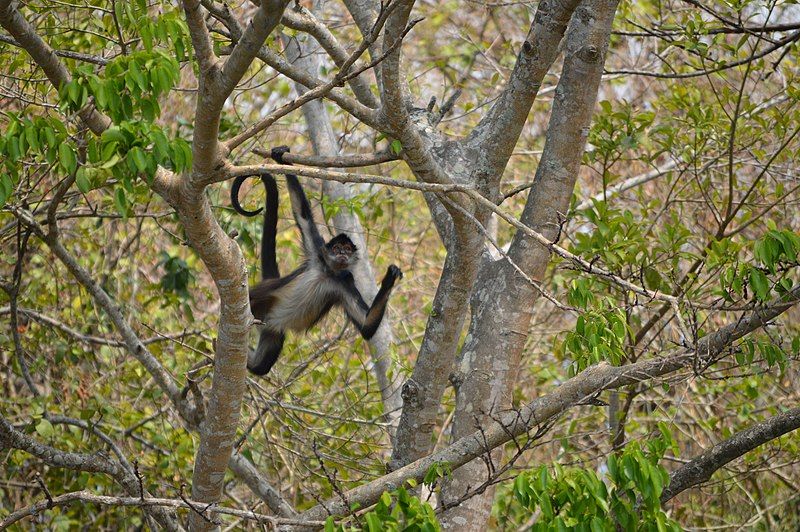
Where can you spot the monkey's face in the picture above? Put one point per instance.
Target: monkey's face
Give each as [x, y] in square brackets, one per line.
[341, 252]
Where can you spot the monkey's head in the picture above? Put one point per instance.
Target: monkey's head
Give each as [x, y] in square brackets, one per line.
[340, 252]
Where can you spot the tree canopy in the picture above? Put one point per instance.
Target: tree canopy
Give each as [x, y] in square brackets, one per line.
[594, 204]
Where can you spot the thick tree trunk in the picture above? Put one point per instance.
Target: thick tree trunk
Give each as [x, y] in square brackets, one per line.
[503, 300]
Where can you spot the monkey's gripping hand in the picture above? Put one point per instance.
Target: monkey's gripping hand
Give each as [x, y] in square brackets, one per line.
[393, 274]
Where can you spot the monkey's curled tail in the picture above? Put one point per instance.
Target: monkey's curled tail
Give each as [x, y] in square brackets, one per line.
[269, 263]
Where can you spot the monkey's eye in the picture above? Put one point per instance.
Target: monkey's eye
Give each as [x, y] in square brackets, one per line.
[339, 249]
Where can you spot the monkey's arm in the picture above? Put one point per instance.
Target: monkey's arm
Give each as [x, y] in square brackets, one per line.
[312, 240]
[368, 319]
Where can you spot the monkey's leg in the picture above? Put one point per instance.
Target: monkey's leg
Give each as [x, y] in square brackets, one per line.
[266, 354]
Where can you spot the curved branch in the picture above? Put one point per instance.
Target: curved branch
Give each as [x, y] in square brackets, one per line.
[301, 19]
[700, 468]
[46, 58]
[574, 391]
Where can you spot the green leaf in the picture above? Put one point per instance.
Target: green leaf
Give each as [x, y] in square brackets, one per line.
[373, 523]
[67, 158]
[114, 134]
[74, 92]
[121, 202]
[386, 499]
[6, 186]
[139, 158]
[110, 163]
[759, 283]
[44, 428]
[82, 180]
[397, 147]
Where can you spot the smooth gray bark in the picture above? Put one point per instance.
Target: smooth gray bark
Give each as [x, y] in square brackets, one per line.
[478, 160]
[503, 300]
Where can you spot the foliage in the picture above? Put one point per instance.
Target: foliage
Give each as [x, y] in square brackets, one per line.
[395, 511]
[625, 496]
[717, 227]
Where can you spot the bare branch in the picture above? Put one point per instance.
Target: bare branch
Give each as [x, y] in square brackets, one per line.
[472, 193]
[88, 338]
[67, 54]
[364, 13]
[396, 100]
[320, 91]
[274, 60]
[342, 177]
[700, 468]
[134, 345]
[572, 392]
[249, 44]
[145, 502]
[247, 473]
[301, 19]
[11, 438]
[335, 161]
[786, 41]
[215, 84]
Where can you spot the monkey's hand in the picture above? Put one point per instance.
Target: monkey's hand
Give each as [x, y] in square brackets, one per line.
[392, 275]
[278, 152]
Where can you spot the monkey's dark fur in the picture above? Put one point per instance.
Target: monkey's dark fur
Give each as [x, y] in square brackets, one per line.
[300, 299]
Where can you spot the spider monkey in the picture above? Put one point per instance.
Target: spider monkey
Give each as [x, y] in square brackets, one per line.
[300, 299]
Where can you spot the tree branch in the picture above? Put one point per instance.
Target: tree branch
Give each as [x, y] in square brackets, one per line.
[335, 161]
[275, 61]
[502, 124]
[46, 58]
[146, 502]
[701, 468]
[320, 91]
[216, 84]
[247, 473]
[67, 54]
[535, 414]
[88, 338]
[301, 19]
[11, 438]
[134, 346]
